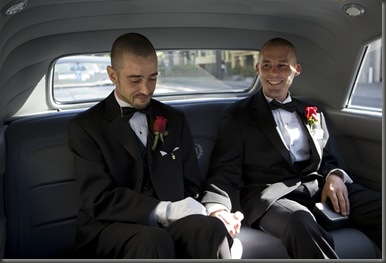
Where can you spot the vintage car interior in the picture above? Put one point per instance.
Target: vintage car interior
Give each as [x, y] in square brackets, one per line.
[53, 57]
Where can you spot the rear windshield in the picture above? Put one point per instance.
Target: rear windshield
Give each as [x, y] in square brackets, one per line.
[83, 78]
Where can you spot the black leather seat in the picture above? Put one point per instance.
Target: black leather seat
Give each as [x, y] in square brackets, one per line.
[41, 198]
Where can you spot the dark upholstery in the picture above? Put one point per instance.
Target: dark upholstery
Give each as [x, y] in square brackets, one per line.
[42, 201]
[41, 198]
[3, 230]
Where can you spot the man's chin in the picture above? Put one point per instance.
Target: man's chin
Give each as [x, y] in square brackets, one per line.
[142, 104]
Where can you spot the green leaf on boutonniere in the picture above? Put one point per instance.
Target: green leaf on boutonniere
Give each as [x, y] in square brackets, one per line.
[311, 116]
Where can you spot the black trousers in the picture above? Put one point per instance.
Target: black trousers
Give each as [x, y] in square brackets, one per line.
[192, 237]
[290, 220]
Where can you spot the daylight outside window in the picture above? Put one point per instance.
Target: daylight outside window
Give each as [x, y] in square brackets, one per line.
[367, 93]
[83, 78]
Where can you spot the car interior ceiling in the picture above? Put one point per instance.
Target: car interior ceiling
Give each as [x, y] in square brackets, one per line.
[214, 29]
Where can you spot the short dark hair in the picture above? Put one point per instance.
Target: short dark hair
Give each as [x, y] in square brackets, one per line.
[279, 42]
[134, 43]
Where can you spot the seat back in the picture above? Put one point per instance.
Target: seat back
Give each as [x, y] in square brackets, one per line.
[203, 121]
[41, 196]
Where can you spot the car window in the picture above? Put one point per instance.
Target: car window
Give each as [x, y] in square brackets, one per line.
[83, 78]
[367, 90]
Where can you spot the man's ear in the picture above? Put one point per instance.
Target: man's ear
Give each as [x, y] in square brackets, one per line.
[298, 70]
[112, 74]
[257, 68]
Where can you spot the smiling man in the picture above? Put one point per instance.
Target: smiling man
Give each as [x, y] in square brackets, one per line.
[276, 149]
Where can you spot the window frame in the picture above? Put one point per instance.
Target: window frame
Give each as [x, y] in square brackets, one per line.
[60, 105]
[360, 66]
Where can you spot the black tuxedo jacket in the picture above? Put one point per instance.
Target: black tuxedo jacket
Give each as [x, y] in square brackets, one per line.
[250, 156]
[109, 169]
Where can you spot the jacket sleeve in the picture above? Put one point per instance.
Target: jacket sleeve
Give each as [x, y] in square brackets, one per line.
[225, 169]
[193, 179]
[330, 151]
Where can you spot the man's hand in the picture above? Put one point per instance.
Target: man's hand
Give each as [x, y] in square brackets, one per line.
[183, 208]
[232, 221]
[335, 190]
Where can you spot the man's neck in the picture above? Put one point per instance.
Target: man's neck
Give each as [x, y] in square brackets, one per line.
[287, 98]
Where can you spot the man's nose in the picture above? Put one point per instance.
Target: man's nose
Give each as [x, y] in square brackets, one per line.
[146, 88]
[273, 71]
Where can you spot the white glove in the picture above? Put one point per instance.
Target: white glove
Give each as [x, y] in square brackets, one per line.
[166, 212]
[177, 210]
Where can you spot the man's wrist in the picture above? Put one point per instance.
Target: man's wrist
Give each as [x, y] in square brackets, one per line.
[158, 216]
[213, 207]
[342, 174]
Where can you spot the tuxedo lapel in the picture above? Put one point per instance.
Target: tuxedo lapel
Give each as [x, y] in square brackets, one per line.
[150, 140]
[316, 153]
[126, 137]
[157, 110]
[120, 128]
[262, 114]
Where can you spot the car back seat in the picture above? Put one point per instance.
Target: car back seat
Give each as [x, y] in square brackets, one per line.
[41, 198]
[42, 201]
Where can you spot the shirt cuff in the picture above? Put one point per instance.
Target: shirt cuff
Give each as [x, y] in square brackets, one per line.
[158, 215]
[346, 178]
[213, 207]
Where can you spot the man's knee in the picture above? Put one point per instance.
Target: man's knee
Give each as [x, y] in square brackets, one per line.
[207, 224]
[300, 220]
[198, 236]
[152, 243]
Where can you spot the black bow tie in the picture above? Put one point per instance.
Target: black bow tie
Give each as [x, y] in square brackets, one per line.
[290, 106]
[128, 112]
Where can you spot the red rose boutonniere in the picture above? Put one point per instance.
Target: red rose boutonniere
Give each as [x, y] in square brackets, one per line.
[159, 130]
[311, 116]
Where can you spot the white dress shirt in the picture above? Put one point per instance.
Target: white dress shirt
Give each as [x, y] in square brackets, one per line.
[293, 134]
[138, 122]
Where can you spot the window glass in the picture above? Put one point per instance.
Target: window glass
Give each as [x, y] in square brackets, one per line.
[367, 92]
[83, 78]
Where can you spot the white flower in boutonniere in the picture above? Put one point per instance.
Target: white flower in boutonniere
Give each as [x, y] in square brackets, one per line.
[159, 130]
[311, 117]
